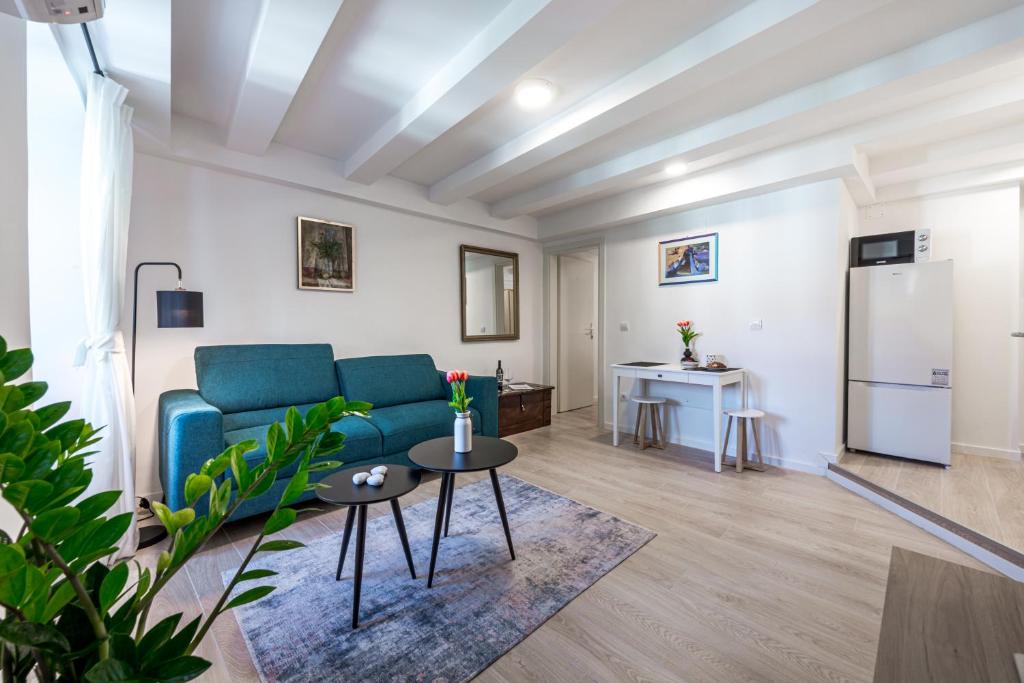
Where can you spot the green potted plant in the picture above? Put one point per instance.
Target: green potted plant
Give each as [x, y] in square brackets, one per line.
[72, 614]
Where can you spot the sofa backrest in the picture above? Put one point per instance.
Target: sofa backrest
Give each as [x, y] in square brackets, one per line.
[389, 380]
[260, 376]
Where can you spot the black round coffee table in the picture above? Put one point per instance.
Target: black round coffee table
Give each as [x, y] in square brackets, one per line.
[438, 455]
[341, 491]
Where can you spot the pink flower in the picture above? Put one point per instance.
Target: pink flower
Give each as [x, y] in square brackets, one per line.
[451, 376]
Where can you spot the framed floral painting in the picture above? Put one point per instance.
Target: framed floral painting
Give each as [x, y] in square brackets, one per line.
[326, 255]
[688, 259]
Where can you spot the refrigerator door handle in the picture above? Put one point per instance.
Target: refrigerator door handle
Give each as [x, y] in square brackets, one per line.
[1017, 334]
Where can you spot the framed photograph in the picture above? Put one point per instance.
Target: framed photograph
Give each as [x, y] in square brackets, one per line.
[688, 259]
[326, 255]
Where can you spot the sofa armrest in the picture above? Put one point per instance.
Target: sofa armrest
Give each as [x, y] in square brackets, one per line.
[191, 432]
[484, 390]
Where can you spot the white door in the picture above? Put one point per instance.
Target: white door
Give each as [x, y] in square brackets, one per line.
[577, 330]
[901, 323]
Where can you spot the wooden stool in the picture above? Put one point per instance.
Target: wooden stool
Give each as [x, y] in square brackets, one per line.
[742, 416]
[649, 405]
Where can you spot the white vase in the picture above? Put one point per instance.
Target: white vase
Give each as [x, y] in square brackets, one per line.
[463, 433]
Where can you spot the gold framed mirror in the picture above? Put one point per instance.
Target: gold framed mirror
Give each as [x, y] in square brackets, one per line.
[489, 289]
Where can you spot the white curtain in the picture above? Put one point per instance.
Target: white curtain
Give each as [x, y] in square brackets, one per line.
[106, 193]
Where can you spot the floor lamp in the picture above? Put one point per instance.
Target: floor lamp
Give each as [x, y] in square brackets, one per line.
[174, 308]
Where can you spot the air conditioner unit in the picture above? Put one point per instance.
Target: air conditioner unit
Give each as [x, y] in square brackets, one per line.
[54, 11]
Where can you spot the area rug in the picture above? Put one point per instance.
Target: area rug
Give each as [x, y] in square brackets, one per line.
[481, 605]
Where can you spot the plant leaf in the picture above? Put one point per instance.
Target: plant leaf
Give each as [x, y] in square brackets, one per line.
[53, 525]
[182, 669]
[94, 506]
[111, 671]
[44, 637]
[64, 594]
[248, 596]
[195, 486]
[280, 520]
[277, 546]
[14, 364]
[240, 469]
[113, 583]
[29, 494]
[48, 415]
[254, 574]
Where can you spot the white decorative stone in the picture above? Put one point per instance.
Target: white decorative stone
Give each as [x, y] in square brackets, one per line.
[376, 480]
[359, 478]
[379, 469]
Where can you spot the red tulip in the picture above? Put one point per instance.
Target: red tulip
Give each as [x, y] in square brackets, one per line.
[450, 376]
[463, 375]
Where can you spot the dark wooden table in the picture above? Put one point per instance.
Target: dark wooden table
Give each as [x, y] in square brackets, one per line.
[520, 410]
[946, 622]
[438, 455]
[341, 491]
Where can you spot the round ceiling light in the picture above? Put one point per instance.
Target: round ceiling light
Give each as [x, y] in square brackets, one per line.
[534, 93]
[675, 168]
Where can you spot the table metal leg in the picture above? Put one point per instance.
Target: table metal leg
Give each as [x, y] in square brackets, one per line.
[501, 511]
[360, 549]
[438, 519]
[400, 523]
[344, 540]
[448, 504]
[716, 409]
[616, 382]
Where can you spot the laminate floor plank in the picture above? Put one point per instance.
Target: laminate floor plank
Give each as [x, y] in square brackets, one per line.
[756, 576]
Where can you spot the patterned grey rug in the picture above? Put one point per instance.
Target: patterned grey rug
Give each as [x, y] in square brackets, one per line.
[481, 605]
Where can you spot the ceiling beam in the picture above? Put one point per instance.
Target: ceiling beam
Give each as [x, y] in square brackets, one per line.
[757, 32]
[287, 37]
[961, 181]
[884, 85]
[522, 34]
[768, 172]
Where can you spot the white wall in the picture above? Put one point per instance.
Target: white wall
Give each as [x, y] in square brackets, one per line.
[980, 231]
[235, 240]
[14, 318]
[779, 263]
[55, 120]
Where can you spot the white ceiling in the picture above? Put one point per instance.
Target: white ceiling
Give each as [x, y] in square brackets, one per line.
[421, 92]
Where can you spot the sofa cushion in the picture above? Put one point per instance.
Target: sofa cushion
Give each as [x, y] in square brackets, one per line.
[260, 376]
[362, 442]
[389, 380]
[406, 425]
[260, 418]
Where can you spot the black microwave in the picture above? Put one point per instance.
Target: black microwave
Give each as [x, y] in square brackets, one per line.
[908, 246]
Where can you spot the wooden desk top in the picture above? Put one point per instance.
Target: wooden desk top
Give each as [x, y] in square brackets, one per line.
[946, 622]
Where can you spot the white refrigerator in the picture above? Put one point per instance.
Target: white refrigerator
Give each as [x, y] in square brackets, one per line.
[900, 351]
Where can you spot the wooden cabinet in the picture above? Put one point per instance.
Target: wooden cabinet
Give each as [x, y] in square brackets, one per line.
[524, 409]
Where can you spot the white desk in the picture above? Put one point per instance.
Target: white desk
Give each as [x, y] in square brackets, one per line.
[673, 372]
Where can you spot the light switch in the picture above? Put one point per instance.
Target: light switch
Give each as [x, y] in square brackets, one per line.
[756, 325]
[623, 327]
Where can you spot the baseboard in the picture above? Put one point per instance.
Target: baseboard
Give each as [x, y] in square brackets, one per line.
[1003, 559]
[988, 451]
[815, 466]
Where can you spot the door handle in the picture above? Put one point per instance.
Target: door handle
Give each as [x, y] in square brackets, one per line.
[1017, 334]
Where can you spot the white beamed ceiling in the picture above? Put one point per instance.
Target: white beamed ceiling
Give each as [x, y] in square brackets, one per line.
[411, 102]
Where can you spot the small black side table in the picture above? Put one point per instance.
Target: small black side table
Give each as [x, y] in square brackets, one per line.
[341, 491]
[438, 455]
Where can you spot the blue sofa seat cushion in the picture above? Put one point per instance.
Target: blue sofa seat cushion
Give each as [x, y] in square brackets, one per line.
[260, 376]
[260, 418]
[390, 380]
[362, 442]
[406, 425]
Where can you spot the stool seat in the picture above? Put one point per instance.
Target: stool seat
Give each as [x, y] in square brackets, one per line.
[650, 400]
[748, 413]
[648, 407]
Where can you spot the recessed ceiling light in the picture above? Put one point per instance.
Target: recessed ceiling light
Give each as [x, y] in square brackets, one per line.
[675, 168]
[534, 93]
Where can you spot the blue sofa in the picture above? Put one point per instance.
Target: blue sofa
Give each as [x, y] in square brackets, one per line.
[244, 389]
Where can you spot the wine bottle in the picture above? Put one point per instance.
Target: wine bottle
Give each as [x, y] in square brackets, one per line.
[500, 376]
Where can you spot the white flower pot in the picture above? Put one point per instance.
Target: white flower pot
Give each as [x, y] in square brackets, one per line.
[463, 433]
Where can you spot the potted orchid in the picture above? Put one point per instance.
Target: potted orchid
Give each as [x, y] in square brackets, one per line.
[686, 331]
[460, 402]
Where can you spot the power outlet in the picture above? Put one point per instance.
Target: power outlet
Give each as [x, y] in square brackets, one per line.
[756, 325]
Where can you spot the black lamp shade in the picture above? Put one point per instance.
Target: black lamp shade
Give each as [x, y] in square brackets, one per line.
[179, 308]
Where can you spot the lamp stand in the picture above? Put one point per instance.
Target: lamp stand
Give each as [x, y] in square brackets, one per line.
[148, 535]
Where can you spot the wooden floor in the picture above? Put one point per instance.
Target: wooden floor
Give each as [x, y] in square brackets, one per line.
[775, 576]
[981, 493]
